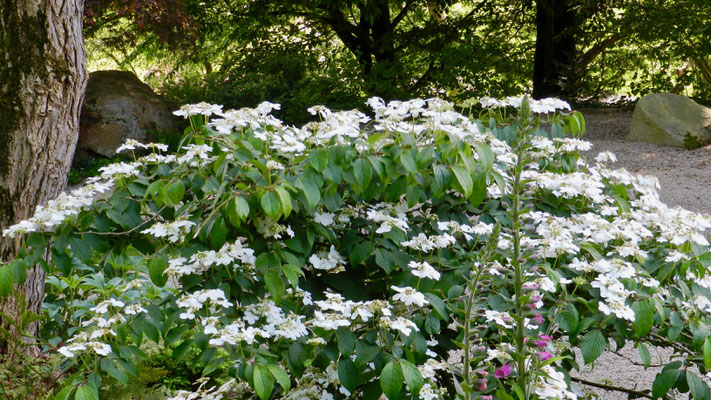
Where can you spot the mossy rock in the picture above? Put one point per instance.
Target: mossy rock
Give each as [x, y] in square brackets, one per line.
[666, 119]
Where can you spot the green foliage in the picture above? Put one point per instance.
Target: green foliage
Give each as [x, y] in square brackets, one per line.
[424, 253]
[30, 378]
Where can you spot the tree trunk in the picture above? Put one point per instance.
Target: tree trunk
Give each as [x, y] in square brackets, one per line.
[555, 47]
[43, 69]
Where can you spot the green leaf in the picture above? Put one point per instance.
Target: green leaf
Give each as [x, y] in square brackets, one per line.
[156, 190]
[644, 355]
[360, 253]
[271, 204]
[311, 191]
[663, 382]
[391, 380]
[407, 159]
[65, 393]
[643, 318]
[592, 346]
[486, 156]
[218, 232]
[318, 159]
[292, 273]
[155, 269]
[181, 350]
[707, 354]
[237, 210]
[384, 260]
[463, 180]
[348, 374]
[6, 280]
[432, 325]
[275, 285]
[86, 392]
[412, 376]
[569, 319]
[699, 389]
[174, 334]
[285, 200]
[108, 366]
[151, 331]
[346, 340]
[438, 305]
[365, 353]
[363, 172]
[175, 192]
[503, 395]
[705, 259]
[263, 382]
[281, 377]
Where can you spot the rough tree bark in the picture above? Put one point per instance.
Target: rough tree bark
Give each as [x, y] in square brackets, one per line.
[42, 80]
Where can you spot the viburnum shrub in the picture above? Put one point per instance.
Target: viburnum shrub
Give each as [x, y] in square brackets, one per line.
[419, 254]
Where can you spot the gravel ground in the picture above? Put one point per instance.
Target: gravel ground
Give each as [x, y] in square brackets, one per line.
[684, 175]
[685, 179]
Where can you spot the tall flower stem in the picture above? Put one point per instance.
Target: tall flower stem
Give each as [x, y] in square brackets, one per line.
[519, 301]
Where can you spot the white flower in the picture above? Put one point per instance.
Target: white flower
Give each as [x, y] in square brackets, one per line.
[331, 261]
[329, 321]
[198, 109]
[131, 144]
[420, 242]
[174, 231]
[325, 219]
[423, 270]
[404, 325]
[409, 296]
[274, 165]
[605, 156]
[103, 307]
[675, 256]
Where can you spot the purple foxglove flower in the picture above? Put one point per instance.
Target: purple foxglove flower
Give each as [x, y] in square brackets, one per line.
[503, 372]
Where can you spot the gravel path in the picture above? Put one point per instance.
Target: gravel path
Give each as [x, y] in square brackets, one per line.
[685, 179]
[684, 175]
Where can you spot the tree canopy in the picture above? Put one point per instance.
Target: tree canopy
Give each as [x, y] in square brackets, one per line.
[338, 52]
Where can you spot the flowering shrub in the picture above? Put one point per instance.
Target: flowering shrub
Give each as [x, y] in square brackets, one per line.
[421, 254]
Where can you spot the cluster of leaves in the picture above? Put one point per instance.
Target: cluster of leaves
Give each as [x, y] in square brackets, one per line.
[422, 255]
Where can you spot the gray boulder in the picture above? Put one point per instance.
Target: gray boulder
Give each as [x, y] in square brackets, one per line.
[665, 118]
[118, 106]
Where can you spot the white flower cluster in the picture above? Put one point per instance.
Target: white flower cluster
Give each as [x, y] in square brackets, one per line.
[272, 229]
[423, 270]
[389, 217]
[330, 261]
[50, 215]
[195, 301]
[569, 185]
[174, 231]
[230, 388]
[236, 253]
[425, 243]
[275, 324]
[132, 144]
[202, 108]
[101, 325]
[318, 384]
[552, 385]
[542, 106]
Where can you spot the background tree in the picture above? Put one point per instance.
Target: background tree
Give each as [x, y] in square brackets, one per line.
[298, 53]
[43, 66]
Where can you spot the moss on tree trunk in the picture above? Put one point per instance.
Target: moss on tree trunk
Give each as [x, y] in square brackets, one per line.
[43, 66]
